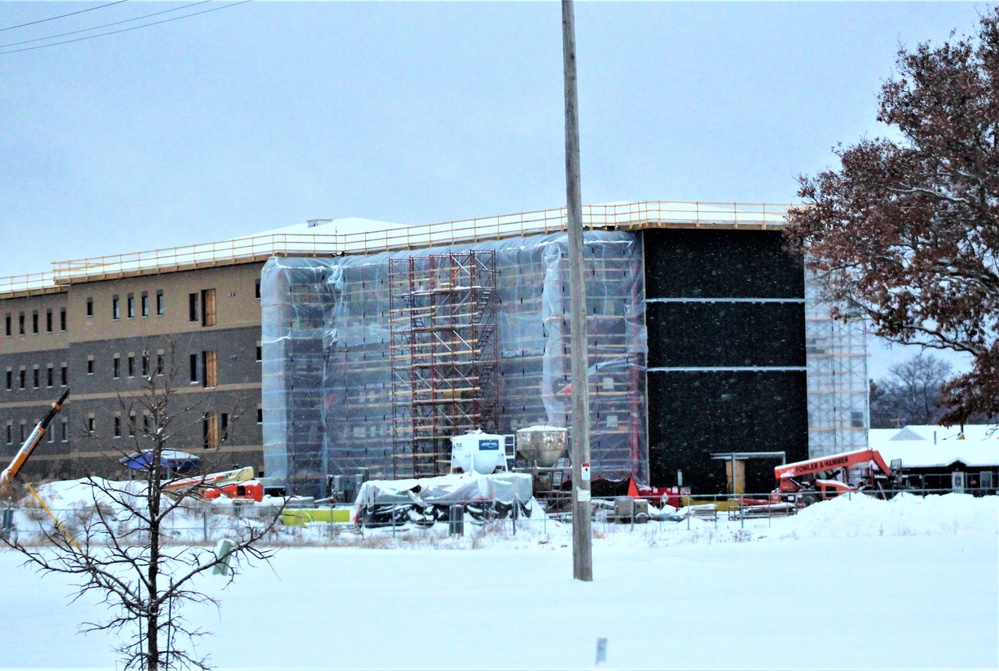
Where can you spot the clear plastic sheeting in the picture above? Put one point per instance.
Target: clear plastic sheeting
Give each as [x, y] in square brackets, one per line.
[356, 351]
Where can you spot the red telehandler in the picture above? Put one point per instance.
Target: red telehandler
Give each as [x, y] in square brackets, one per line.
[806, 482]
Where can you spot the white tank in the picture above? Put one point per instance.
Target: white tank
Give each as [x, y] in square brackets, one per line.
[478, 452]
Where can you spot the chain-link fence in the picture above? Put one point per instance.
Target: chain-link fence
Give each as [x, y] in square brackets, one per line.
[207, 524]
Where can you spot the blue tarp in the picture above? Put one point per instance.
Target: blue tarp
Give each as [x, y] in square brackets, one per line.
[173, 460]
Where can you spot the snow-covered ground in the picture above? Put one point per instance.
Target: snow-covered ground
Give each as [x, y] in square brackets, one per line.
[847, 584]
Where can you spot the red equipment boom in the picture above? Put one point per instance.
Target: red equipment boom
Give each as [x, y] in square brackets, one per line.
[797, 481]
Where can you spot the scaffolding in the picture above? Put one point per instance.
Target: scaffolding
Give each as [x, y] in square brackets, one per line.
[836, 359]
[373, 362]
[443, 354]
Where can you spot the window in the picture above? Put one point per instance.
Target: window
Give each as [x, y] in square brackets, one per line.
[34, 321]
[64, 436]
[90, 365]
[260, 414]
[90, 307]
[115, 307]
[224, 428]
[145, 364]
[48, 320]
[9, 325]
[51, 434]
[116, 367]
[24, 377]
[159, 362]
[144, 304]
[208, 316]
[23, 435]
[192, 307]
[204, 369]
[49, 375]
[209, 361]
[10, 433]
[117, 425]
[91, 423]
[131, 423]
[210, 430]
[62, 319]
[64, 374]
[10, 379]
[36, 377]
[131, 365]
[256, 290]
[20, 323]
[145, 423]
[159, 302]
[130, 306]
[260, 351]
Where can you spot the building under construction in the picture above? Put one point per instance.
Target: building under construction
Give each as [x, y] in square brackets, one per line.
[702, 339]
[379, 342]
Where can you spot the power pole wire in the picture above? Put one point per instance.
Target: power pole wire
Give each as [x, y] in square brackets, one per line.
[62, 16]
[106, 25]
[124, 30]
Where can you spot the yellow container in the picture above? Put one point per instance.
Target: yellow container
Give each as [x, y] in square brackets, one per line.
[299, 516]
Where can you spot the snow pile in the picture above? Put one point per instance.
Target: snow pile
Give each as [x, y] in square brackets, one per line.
[71, 494]
[904, 515]
[857, 515]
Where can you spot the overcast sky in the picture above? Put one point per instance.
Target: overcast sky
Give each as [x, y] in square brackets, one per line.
[266, 114]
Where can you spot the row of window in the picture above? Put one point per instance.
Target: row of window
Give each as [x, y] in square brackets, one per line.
[62, 428]
[145, 365]
[201, 307]
[130, 305]
[21, 376]
[203, 369]
[214, 428]
[36, 318]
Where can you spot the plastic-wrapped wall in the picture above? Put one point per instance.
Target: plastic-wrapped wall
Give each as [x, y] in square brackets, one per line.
[342, 388]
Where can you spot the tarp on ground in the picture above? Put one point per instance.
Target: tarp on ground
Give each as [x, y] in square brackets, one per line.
[447, 489]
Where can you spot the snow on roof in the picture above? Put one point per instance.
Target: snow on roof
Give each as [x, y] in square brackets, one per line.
[931, 445]
[906, 434]
[354, 235]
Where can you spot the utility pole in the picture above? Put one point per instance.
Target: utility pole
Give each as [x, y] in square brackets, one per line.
[582, 533]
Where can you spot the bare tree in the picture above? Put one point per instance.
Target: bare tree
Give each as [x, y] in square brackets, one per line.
[124, 552]
[911, 394]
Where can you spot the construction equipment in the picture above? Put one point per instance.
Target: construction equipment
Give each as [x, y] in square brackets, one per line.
[17, 463]
[238, 483]
[806, 482]
[23, 454]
